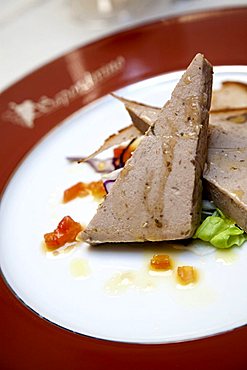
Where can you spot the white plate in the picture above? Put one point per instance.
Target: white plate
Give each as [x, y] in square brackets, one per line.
[108, 291]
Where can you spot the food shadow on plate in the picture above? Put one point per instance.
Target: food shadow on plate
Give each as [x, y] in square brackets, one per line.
[177, 246]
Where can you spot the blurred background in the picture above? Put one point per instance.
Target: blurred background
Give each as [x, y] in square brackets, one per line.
[33, 32]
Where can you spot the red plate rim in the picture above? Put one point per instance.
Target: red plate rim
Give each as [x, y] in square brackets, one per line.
[34, 105]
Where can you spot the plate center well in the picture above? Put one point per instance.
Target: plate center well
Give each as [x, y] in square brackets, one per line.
[109, 292]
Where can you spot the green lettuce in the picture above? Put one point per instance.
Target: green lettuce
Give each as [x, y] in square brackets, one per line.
[220, 231]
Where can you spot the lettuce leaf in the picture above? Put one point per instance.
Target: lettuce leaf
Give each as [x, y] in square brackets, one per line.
[220, 231]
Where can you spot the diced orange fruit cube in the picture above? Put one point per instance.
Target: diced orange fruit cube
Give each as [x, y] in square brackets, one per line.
[81, 189]
[186, 274]
[97, 189]
[124, 151]
[66, 232]
[160, 262]
[74, 191]
[118, 151]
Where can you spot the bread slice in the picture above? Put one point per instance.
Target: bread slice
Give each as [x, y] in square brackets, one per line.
[157, 196]
[231, 95]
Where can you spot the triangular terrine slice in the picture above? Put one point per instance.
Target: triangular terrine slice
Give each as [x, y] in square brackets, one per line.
[157, 195]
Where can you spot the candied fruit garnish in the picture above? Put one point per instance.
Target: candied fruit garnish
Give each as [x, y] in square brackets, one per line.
[160, 262]
[119, 154]
[66, 232]
[186, 274]
[118, 151]
[97, 189]
[81, 189]
[74, 191]
[123, 153]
